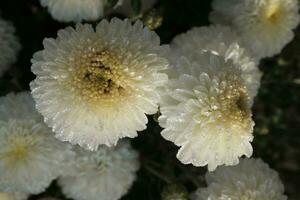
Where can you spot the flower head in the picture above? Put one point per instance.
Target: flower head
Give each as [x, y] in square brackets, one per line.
[252, 179]
[28, 152]
[206, 109]
[75, 10]
[9, 45]
[216, 38]
[265, 26]
[105, 174]
[97, 87]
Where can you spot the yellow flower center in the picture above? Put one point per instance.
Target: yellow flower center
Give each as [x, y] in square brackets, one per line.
[272, 13]
[99, 76]
[232, 105]
[18, 149]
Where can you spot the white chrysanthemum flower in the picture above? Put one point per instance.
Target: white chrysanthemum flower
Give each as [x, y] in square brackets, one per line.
[216, 38]
[9, 45]
[105, 174]
[252, 179]
[265, 26]
[13, 196]
[30, 158]
[206, 109]
[97, 87]
[75, 10]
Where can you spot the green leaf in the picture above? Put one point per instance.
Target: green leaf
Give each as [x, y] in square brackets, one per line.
[111, 3]
[136, 6]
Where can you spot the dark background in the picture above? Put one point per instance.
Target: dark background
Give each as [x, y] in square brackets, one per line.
[276, 110]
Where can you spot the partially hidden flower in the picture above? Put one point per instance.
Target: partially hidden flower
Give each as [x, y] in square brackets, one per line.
[214, 38]
[252, 179]
[9, 45]
[105, 174]
[30, 157]
[75, 10]
[265, 26]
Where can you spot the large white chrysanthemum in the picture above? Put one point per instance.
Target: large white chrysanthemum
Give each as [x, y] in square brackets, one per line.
[9, 45]
[265, 26]
[206, 109]
[75, 10]
[97, 87]
[105, 174]
[252, 179]
[13, 196]
[30, 157]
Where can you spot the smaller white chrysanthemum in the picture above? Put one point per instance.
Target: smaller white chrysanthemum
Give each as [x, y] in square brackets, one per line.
[30, 157]
[75, 10]
[206, 109]
[215, 38]
[252, 179]
[105, 174]
[13, 196]
[9, 45]
[95, 87]
[265, 26]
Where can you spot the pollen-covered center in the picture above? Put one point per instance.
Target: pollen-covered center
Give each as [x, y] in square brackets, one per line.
[18, 148]
[232, 103]
[99, 76]
[272, 13]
